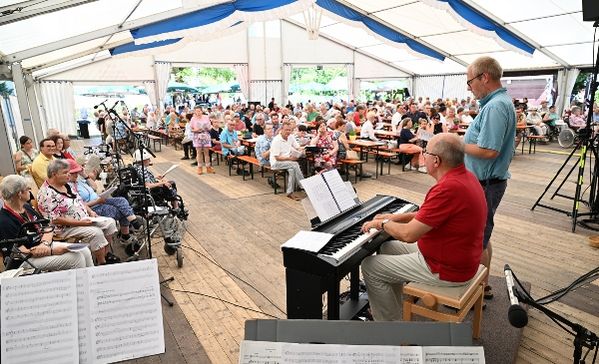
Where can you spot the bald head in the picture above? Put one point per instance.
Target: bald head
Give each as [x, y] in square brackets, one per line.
[449, 147]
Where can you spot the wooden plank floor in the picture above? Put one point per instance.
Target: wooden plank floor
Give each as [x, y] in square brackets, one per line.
[233, 267]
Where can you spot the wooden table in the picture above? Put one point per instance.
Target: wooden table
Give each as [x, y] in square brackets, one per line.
[366, 144]
[386, 134]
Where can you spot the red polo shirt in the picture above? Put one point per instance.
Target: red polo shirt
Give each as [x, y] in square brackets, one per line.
[456, 210]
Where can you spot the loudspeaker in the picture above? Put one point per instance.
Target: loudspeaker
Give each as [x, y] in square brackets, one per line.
[406, 92]
[590, 10]
[319, 67]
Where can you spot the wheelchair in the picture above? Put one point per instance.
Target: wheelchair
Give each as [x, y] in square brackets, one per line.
[162, 219]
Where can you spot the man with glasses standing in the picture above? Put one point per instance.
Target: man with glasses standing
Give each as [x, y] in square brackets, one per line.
[434, 246]
[490, 141]
[40, 164]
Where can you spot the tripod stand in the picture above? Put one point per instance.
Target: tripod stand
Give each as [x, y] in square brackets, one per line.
[586, 142]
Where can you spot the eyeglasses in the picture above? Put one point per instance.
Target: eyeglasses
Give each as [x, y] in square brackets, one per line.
[424, 151]
[474, 78]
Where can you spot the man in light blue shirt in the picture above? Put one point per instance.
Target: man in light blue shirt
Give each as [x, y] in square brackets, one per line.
[490, 140]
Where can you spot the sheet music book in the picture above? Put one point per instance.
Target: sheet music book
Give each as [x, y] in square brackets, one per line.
[328, 194]
[170, 169]
[264, 352]
[108, 192]
[99, 314]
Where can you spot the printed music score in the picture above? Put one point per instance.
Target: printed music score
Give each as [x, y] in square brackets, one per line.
[38, 319]
[99, 314]
[266, 352]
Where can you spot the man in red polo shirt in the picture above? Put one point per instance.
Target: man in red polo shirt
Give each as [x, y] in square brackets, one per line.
[441, 244]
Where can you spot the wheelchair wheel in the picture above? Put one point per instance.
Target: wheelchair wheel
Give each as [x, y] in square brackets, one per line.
[566, 138]
[170, 250]
[179, 257]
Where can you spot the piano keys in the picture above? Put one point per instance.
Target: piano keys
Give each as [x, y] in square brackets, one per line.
[309, 275]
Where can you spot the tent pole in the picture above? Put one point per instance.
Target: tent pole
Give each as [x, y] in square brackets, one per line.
[34, 108]
[21, 91]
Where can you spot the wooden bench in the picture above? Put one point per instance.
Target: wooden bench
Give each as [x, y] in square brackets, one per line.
[253, 161]
[355, 164]
[155, 139]
[461, 298]
[532, 142]
[220, 155]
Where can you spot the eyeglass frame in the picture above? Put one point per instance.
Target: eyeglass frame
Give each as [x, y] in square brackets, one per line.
[468, 82]
[424, 151]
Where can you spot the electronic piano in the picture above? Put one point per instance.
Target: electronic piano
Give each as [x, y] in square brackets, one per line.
[309, 275]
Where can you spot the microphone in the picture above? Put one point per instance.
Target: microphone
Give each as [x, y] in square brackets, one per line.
[115, 104]
[517, 316]
[100, 104]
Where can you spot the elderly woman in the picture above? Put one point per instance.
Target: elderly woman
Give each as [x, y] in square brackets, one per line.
[117, 208]
[46, 254]
[341, 138]
[326, 157]
[25, 156]
[71, 216]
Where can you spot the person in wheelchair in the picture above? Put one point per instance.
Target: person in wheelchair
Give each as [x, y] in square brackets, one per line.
[66, 210]
[46, 254]
[549, 118]
[117, 208]
[160, 189]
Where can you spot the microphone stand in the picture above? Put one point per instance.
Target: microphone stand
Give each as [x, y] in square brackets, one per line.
[141, 147]
[582, 336]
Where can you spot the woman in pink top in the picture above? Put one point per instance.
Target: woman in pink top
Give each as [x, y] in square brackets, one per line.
[200, 126]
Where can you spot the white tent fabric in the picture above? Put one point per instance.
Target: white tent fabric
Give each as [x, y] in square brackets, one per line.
[350, 81]
[59, 106]
[150, 87]
[455, 86]
[287, 68]
[241, 70]
[565, 84]
[163, 73]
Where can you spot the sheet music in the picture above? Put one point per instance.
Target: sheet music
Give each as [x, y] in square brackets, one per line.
[453, 354]
[260, 352]
[125, 311]
[339, 190]
[83, 316]
[320, 196]
[39, 319]
[411, 355]
[108, 192]
[263, 352]
[170, 169]
[311, 241]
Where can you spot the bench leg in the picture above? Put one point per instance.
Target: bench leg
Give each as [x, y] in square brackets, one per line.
[407, 309]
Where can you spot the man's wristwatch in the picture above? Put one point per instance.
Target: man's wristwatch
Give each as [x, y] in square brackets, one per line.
[383, 224]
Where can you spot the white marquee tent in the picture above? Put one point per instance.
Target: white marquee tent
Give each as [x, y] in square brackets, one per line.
[46, 47]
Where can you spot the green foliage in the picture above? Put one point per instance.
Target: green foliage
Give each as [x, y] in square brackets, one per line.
[205, 75]
[5, 91]
[581, 82]
[311, 74]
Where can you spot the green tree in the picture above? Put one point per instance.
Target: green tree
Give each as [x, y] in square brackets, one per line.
[5, 91]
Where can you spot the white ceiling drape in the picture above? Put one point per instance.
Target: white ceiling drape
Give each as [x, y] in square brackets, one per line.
[243, 79]
[58, 101]
[163, 74]
[566, 78]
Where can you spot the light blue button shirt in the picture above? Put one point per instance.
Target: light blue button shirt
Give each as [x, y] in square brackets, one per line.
[493, 128]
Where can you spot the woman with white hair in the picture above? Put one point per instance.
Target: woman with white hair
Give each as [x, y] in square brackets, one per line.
[71, 216]
[46, 254]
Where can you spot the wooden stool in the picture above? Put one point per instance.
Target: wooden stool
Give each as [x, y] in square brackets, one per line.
[461, 298]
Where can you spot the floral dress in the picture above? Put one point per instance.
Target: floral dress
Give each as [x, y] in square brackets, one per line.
[201, 138]
[322, 159]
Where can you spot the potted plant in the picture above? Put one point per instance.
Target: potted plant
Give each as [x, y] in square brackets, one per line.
[352, 135]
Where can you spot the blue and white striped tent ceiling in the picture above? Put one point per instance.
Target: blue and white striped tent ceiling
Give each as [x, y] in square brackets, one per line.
[422, 37]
